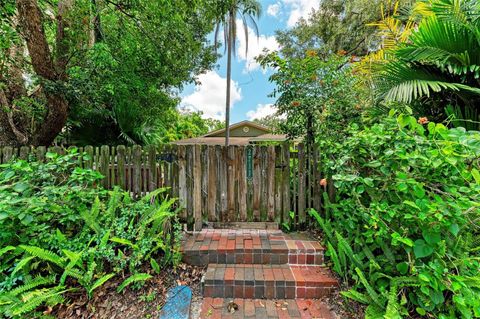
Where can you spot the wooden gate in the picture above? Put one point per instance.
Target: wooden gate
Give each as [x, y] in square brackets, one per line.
[257, 179]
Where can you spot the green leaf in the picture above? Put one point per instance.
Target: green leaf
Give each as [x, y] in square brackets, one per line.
[132, 279]
[421, 249]
[476, 175]
[421, 311]
[99, 282]
[431, 237]
[454, 229]
[20, 187]
[402, 267]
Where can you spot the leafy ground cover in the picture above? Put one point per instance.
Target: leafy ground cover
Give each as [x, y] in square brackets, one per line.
[403, 231]
[64, 235]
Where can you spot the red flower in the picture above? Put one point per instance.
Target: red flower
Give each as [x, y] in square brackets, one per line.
[295, 103]
[323, 182]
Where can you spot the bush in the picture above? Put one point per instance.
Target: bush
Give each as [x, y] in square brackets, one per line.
[404, 228]
[62, 231]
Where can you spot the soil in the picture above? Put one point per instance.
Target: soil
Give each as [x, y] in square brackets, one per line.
[145, 302]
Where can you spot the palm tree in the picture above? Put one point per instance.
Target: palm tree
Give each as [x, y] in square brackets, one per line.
[440, 64]
[246, 11]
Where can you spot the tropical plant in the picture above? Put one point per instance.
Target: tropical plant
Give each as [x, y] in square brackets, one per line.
[402, 230]
[246, 11]
[439, 66]
[62, 232]
[314, 94]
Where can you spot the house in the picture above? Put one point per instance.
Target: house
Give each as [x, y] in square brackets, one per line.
[242, 133]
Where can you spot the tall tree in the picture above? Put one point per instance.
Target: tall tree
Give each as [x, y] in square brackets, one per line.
[109, 66]
[246, 11]
[335, 26]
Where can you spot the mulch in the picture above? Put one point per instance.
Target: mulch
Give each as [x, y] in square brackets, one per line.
[145, 302]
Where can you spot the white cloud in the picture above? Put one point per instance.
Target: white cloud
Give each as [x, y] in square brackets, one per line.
[255, 46]
[209, 97]
[261, 111]
[299, 9]
[273, 9]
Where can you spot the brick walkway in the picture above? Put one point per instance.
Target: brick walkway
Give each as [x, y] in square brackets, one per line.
[278, 270]
[217, 308]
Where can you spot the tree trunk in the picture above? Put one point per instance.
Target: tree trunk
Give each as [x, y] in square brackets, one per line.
[42, 63]
[229, 77]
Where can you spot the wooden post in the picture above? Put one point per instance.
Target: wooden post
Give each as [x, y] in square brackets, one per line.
[231, 183]
[121, 167]
[257, 180]
[40, 153]
[104, 165]
[137, 166]
[212, 184]
[271, 183]
[278, 184]
[7, 154]
[286, 181]
[197, 188]
[89, 162]
[182, 181]
[242, 184]
[152, 168]
[301, 185]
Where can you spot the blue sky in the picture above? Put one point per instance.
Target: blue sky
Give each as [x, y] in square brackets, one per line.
[250, 85]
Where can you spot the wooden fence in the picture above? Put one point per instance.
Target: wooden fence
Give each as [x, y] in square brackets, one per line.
[265, 183]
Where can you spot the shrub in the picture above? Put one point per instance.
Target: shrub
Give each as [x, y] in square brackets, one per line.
[404, 228]
[62, 231]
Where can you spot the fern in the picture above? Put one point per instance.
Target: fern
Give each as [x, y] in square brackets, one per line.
[6, 249]
[123, 241]
[21, 264]
[347, 249]
[132, 279]
[336, 262]
[393, 307]
[155, 265]
[90, 218]
[44, 255]
[356, 296]
[35, 299]
[99, 282]
[376, 298]
[32, 283]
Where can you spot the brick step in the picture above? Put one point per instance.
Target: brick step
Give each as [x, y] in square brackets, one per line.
[220, 308]
[267, 281]
[251, 247]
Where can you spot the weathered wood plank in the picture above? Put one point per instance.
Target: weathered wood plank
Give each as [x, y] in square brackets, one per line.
[189, 173]
[152, 168]
[278, 184]
[24, 152]
[197, 188]
[212, 184]
[231, 183]
[137, 167]
[242, 184]
[263, 183]
[301, 185]
[271, 183]
[257, 182]
[182, 181]
[122, 179]
[105, 165]
[7, 154]
[88, 163]
[40, 153]
[286, 182]
[204, 175]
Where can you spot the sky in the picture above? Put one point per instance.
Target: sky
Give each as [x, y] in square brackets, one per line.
[250, 86]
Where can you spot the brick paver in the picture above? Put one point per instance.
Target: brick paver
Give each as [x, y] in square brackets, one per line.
[265, 273]
[214, 308]
[250, 247]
